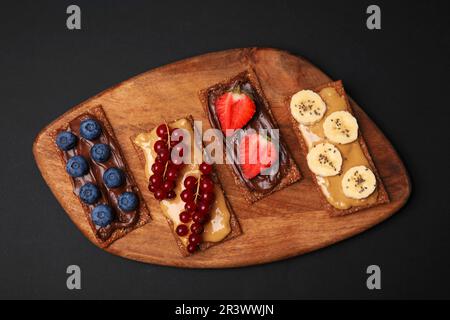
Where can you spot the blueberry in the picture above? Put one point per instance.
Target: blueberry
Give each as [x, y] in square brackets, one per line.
[66, 140]
[113, 177]
[90, 129]
[89, 193]
[77, 166]
[100, 152]
[128, 201]
[102, 215]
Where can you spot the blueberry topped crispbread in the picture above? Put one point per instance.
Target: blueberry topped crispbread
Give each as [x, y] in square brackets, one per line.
[100, 177]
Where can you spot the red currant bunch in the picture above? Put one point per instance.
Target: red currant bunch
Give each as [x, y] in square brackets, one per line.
[198, 196]
[165, 171]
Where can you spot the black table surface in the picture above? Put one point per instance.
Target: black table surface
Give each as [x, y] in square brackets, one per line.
[397, 74]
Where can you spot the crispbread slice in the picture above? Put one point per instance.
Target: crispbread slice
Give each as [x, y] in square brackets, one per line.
[234, 224]
[383, 196]
[293, 174]
[144, 214]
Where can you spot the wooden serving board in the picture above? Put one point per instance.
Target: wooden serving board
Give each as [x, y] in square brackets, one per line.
[285, 224]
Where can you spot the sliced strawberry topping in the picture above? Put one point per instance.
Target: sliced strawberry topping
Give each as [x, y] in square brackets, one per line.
[256, 154]
[234, 109]
[243, 110]
[224, 106]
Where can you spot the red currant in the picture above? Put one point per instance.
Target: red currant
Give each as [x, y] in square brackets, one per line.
[156, 180]
[190, 182]
[202, 208]
[190, 206]
[160, 161]
[159, 145]
[195, 238]
[187, 195]
[205, 168]
[206, 184]
[207, 197]
[196, 228]
[172, 173]
[151, 188]
[160, 194]
[191, 248]
[164, 155]
[167, 185]
[199, 217]
[171, 194]
[158, 168]
[182, 230]
[185, 217]
[161, 131]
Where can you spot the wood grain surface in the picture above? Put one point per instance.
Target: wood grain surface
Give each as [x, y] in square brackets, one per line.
[285, 224]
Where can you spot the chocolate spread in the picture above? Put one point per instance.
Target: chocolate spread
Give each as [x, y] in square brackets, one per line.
[95, 175]
[260, 120]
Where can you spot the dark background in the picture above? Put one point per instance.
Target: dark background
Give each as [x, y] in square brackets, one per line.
[399, 75]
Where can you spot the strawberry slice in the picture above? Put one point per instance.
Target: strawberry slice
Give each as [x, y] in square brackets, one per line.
[256, 153]
[234, 109]
[224, 106]
[243, 110]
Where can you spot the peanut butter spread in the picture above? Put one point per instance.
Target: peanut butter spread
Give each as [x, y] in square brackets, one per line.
[352, 154]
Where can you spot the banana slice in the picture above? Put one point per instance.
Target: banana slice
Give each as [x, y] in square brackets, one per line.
[324, 159]
[359, 182]
[341, 127]
[307, 107]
